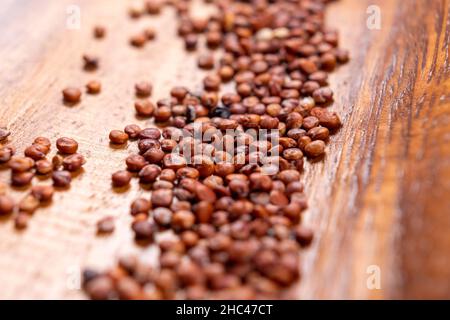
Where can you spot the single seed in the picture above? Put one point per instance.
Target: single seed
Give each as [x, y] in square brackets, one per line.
[72, 95]
[319, 133]
[303, 235]
[162, 216]
[146, 144]
[315, 148]
[179, 93]
[153, 6]
[91, 62]
[3, 188]
[121, 178]
[35, 152]
[135, 12]
[29, 204]
[21, 220]
[43, 142]
[212, 82]
[20, 179]
[183, 220]
[6, 205]
[20, 164]
[162, 114]
[66, 145]
[154, 155]
[226, 73]
[138, 40]
[149, 173]
[94, 87]
[99, 32]
[135, 162]
[105, 225]
[303, 141]
[150, 33]
[6, 152]
[139, 206]
[57, 162]
[143, 230]
[190, 42]
[206, 61]
[292, 154]
[189, 238]
[310, 122]
[61, 179]
[118, 137]
[132, 130]
[322, 95]
[100, 288]
[42, 193]
[4, 134]
[73, 162]
[144, 108]
[128, 289]
[213, 39]
[143, 89]
[162, 198]
[150, 133]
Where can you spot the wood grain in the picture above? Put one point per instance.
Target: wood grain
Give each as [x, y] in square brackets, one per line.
[381, 197]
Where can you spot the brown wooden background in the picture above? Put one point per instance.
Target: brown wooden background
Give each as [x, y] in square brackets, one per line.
[381, 197]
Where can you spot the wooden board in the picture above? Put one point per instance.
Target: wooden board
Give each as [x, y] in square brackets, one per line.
[380, 198]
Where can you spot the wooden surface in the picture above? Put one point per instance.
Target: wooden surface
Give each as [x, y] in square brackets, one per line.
[381, 196]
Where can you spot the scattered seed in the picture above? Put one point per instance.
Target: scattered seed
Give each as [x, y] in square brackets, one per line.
[42, 193]
[6, 205]
[91, 62]
[144, 108]
[315, 148]
[57, 162]
[20, 164]
[135, 162]
[21, 221]
[138, 40]
[4, 134]
[105, 225]
[67, 145]
[6, 152]
[99, 32]
[139, 206]
[149, 173]
[44, 142]
[118, 137]
[94, 87]
[29, 204]
[73, 162]
[206, 61]
[35, 152]
[61, 179]
[143, 230]
[162, 198]
[121, 178]
[143, 89]
[72, 95]
[190, 42]
[132, 130]
[20, 179]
